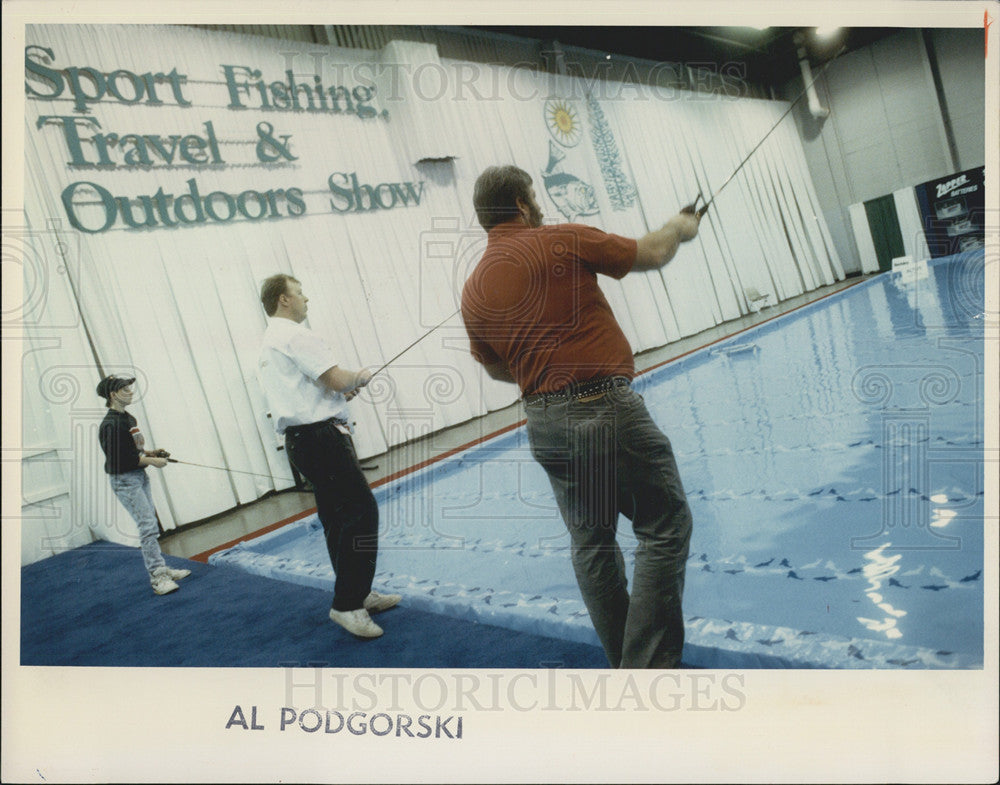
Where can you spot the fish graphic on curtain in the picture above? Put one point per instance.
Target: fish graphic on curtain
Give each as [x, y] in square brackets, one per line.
[572, 196]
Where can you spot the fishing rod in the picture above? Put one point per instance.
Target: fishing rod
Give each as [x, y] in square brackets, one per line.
[693, 208]
[166, 456]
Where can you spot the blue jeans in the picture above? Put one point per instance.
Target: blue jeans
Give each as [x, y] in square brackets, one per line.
[133, 491]
[607, 457]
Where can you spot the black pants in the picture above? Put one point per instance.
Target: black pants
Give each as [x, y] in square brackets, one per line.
[345, 505]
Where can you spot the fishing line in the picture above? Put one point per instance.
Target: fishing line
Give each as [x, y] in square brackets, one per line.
[288, 479]
[693, 207]
[231, 471]
[387, 364]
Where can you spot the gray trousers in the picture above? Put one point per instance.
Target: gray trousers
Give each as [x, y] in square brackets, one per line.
[133, 491]
[605, 457]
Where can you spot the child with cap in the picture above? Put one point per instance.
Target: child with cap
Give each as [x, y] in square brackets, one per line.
[126, 462]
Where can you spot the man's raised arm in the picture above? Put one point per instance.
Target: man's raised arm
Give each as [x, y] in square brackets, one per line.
[658, 247]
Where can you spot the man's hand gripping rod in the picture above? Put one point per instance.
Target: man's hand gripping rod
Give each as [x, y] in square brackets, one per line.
[693, 209]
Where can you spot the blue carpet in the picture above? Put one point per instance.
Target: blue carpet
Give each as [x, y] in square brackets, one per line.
[93, 606]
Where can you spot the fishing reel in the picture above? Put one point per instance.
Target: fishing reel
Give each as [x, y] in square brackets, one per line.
[693, 209]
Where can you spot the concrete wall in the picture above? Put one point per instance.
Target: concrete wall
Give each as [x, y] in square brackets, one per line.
[963, 73]
[887, 128]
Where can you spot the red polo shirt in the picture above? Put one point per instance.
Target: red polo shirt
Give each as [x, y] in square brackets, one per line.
[534, 303]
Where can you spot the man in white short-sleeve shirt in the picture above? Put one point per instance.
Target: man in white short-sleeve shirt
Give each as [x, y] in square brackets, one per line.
[307, 392]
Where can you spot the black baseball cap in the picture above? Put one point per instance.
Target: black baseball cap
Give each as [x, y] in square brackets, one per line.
[110, 384]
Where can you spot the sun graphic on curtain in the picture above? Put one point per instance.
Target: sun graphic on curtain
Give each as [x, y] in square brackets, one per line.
[563, 122]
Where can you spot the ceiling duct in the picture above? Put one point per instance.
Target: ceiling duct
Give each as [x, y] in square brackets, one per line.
[818, 111]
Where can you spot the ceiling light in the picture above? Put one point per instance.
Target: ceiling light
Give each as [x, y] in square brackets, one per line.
[827, 32]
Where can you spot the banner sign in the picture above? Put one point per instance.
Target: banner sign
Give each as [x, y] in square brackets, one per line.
[92, 143]
[952, 212]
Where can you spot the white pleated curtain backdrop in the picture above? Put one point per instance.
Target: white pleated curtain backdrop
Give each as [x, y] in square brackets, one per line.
[179, 306]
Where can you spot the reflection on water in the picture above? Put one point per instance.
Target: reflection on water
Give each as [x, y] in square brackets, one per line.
[878, 570]
[848, 434]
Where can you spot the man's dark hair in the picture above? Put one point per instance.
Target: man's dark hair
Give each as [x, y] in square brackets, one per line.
[272, 289]
[496, 193]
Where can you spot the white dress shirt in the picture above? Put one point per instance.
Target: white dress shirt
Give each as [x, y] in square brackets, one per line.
[292, 358]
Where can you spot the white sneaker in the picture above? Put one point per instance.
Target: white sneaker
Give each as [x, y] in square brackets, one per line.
[162, 583]
[356, 622]
[375, 602]
[174, 575]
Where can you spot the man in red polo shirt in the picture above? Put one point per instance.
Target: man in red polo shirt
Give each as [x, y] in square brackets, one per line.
[536, 317]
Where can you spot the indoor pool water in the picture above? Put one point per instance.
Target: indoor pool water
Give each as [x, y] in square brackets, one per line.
[833, 460]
